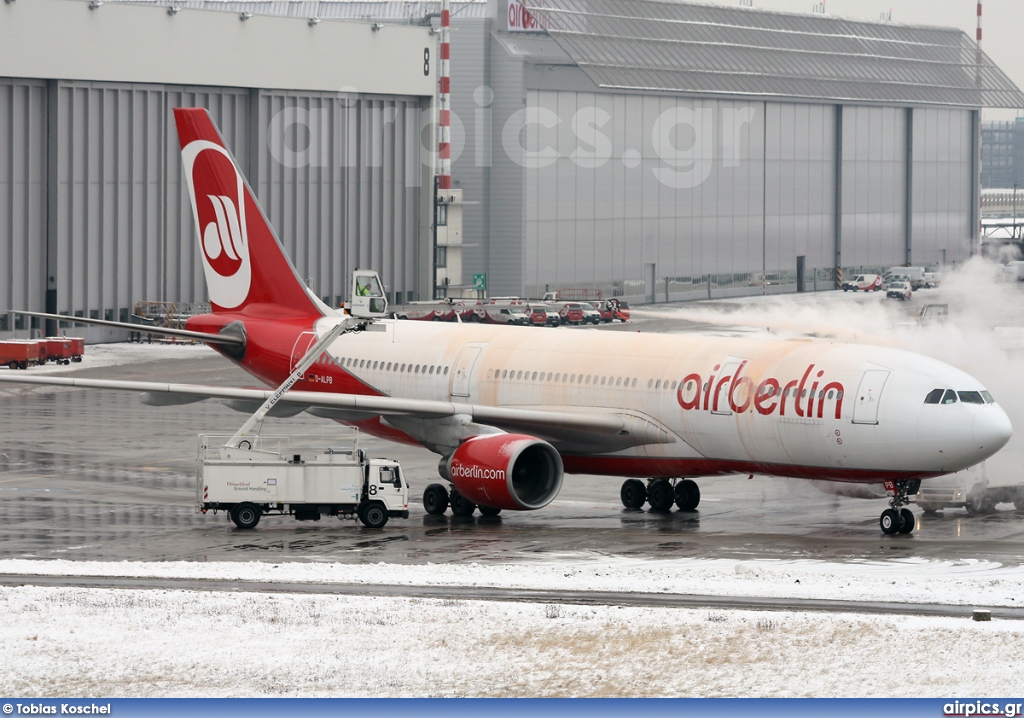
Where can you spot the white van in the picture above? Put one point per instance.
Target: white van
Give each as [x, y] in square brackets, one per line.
[863, 283]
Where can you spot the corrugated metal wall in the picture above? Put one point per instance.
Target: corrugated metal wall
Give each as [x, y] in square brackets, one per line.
[683, 188]
[91, 178]
[22, 197]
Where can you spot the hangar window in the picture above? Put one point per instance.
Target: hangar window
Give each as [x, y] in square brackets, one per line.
[934, 396]
[949, 397]
[971, 397]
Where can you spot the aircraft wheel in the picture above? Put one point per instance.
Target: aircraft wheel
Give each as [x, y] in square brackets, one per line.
[245, 515]
[461, 506]
[907, 521]
[687, 495]
[435, 499]
[373, 515]
[660, 495]
[889, 521]
[488, 511]
[1018, 501]
[633, 494]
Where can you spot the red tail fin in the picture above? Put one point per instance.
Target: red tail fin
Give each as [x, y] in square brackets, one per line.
[244, 262]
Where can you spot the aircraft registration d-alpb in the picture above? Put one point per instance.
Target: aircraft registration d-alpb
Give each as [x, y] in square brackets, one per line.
[510, 410]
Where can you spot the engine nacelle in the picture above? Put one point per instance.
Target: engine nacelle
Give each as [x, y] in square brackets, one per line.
[506, 471]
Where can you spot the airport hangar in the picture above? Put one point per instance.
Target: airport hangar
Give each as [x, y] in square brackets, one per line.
[651, 150]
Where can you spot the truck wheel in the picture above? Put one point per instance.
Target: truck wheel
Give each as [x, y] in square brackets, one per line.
[13, 365]
[1018, 501]
[245, 516]
[435, 499]
[373, 515]
[976, 503]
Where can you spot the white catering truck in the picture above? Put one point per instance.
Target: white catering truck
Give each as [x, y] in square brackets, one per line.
[249, 475]
[305, 479]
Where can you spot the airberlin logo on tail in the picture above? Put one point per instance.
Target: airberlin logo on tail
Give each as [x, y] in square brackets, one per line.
[723, 392]
[218, 207]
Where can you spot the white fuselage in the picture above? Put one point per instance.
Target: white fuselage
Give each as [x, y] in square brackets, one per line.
[807, 408]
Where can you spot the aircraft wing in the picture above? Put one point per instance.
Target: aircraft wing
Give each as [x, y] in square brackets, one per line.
[611, 431]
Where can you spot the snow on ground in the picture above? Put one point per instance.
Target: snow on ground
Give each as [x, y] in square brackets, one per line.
[128, 642]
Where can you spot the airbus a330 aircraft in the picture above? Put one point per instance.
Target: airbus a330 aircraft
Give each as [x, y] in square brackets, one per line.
[509, 410]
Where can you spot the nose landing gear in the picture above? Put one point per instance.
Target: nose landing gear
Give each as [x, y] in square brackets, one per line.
[897, 519]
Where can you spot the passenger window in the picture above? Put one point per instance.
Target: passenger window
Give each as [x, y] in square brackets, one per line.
[934, 396]
[971, 397]
[949, 397]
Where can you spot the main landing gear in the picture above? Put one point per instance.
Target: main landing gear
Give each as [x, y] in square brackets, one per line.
[437, 498]
[660, 494]
[897, 519]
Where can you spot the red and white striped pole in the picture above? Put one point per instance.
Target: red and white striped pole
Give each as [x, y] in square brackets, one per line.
[444, 115]
[979, 64]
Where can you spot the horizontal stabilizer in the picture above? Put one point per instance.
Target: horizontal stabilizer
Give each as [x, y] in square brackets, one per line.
[204, 337]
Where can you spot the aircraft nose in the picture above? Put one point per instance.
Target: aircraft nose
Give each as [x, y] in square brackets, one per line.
[991, 429]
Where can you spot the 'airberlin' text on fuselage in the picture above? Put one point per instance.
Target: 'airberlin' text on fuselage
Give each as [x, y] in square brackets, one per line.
[737, 393]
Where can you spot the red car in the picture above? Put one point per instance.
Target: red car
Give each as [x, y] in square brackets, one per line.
[612, 309]
[571, 313]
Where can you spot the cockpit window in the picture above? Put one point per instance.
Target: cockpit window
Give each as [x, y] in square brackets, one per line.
[949, 397]
[987, 397]
[971, 397]
[934, 396]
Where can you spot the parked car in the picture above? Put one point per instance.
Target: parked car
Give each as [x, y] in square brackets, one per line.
[571, 313]
[492, 314]
[612, 309]
[539, 316]
[863, 283]
[590, 314]
[899, 289]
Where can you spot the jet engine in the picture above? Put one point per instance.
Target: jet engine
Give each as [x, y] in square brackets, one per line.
[505, 471]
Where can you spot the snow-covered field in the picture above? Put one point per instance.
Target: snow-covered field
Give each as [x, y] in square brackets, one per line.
[127, 642]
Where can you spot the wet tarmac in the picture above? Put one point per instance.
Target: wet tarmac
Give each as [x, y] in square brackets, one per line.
[93, 475]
